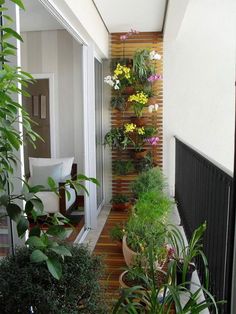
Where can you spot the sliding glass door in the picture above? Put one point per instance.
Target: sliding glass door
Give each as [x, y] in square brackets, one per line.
[99, 133]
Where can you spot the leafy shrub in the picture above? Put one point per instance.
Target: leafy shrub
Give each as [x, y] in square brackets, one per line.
[153, 206]
[151, 180]
[123, 167]
[144, 164]
[23, 285]
[119, 199]
[116, 233]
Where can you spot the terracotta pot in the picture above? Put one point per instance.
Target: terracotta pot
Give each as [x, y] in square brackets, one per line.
[141, 154]
[128, 90]
[121, 206]
[142, 121]
[121, 281]
[129, 255]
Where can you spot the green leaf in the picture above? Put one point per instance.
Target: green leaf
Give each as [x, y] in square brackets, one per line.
[57, 231]
[35, 242]
[38, 205]
[54, 267]
[52, 184]
[19, 3]
[35, 231]
[12, 32]
[38, 256]
[14, 212]
[4, 200]
[61, 250]
[12, 139]
[22, 226]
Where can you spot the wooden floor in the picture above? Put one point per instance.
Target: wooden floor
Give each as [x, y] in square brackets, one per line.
[111, 253]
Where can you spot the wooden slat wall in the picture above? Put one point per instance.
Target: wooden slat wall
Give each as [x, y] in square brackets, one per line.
[154, 41]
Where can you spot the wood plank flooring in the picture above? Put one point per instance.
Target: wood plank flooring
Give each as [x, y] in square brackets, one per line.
[111, 253]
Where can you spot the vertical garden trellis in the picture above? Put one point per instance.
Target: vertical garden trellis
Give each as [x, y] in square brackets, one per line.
[126, 49]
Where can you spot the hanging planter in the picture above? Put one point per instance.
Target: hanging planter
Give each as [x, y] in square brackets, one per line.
[139, 122]
[128, 90]
[140, 154]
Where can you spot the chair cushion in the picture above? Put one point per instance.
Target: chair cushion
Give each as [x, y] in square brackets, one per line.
[51, 200]
[40, 174]
[66, 169]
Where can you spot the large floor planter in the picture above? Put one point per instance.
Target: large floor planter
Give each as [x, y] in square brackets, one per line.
[125, 285]
[129, 255]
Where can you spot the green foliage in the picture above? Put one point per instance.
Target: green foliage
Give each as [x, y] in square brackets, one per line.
[142, 65]
[123, 167]
[118, 102]
[23, 285]
[13, 82]
[117, 139]
[142, 231]
[144, 164]
[184, 253]
[152, 179]
[116, 233]
[153, 206]
[119, 199]
[150, 297]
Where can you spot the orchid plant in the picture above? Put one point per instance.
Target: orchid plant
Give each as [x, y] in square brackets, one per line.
[139, 101]
[122, 77]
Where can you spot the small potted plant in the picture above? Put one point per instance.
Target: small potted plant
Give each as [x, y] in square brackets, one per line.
[123, 167]
[120, 202]
[118, 102]
[139, 101]
[116, 234]
[144, 64]
[144, 164]
[116, 138]
[120, 79]
[184, 253]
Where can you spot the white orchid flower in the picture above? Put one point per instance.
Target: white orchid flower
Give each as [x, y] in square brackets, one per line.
[150, 108]
[156, 106]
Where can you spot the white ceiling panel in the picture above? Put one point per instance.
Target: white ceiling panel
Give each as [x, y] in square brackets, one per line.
[141, 15]
[37, 18]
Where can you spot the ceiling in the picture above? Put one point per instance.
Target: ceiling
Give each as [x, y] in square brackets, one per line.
[37, 18]
[141, 15]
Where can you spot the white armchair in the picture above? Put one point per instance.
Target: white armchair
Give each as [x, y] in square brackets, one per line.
[60, 169]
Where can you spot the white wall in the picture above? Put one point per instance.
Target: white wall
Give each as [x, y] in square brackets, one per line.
[83, 18]
[199, 76]
[58, 53]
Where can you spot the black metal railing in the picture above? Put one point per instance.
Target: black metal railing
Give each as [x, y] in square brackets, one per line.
[204, 193]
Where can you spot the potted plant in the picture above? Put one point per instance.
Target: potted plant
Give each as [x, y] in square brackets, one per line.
[123, 167]
[118, 102]
[143, 66]
[150, 180]
[144, 164]
[185, 253]
[116, 234]
[163, 297]
[120, 79]
[120, 202]
[116, 138]
[139, 101]
[143, 227]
